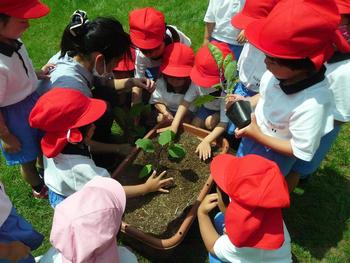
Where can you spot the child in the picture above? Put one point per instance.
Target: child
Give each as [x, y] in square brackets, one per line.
[86, 224]
[17, 236]
[89, 51]
[217, 24]
[19, 143]
[204, 75]
[251, 64]
[66, 116]
[338, 76]
[293, 109]
[178, 60]
[150, 34]
[250, 227]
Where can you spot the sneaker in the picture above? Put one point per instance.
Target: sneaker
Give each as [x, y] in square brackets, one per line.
[43, 194]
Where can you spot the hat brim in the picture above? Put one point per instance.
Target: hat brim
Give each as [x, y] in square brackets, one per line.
[219, 168]
[93, 112]
[33, 9]
[241, 21]
[180, 72]
[202, 80]
[145, 44]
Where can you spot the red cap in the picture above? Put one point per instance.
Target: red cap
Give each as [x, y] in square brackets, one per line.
[126, 64]
[252, 10]
[59, 112]
[299, 29]
[343, 6]
[258, 191]
[25, 9]
[147, 27]
[178, 60]
[205, 72]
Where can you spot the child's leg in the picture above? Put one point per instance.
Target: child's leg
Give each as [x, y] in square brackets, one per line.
[30, 174]
[211, 121]
[292, 180]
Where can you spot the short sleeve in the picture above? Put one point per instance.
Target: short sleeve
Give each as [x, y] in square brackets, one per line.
[210, 15]
[192, 93]
[3, 85]
[157, 95]
[140, 64]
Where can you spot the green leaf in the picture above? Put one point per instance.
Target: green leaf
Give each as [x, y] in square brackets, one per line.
[177, 151]
[203, 99]
[145, 171]
[217, 54]
[228, 59]
[230, 72]
[139, 108]
[217, 86]
[146, 145]
[119, 115]
[166, 137]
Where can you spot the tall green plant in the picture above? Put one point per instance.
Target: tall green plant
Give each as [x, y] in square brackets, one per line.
[166, 141]
[227, 71]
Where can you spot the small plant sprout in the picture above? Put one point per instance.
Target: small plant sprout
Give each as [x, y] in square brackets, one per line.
[228, 72]
[166, 141]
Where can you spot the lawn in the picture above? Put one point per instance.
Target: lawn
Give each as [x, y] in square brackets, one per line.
[318, 219]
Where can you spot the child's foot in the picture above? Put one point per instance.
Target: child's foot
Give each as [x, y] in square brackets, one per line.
[42, 194]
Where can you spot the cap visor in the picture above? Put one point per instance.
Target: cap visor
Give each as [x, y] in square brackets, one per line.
[201, 80]
[32, 10]
[219, 167]
[177, 72]
[95, 110]
[145, 44]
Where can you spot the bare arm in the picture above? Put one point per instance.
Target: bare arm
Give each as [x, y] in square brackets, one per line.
[181, 112]
[208, 232]
[208, 30]
[253, 131]
[100, 147]
[127, 84]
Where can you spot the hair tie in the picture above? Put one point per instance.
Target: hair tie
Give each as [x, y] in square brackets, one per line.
[78, 21]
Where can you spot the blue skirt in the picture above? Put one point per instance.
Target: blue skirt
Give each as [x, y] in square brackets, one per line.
[16, 228]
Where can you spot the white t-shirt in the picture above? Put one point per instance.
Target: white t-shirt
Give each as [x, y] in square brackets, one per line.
[303, 117]
[17, 75]
[226, 251]
[171, 100]
[221, 12]
[251, 67]
[54, 256]
[195, 91]
[67, 173]
[338, 75]
[142, 62]
[5, 205]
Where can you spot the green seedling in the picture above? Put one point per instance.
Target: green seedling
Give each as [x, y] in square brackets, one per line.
[227, 70]
[166, 141]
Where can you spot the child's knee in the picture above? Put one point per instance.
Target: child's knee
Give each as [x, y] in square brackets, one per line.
[211, 121]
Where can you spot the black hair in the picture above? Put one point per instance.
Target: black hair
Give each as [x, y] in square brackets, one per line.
[4, 18]
[104, 34]
[296, 64]
[184, 89]
[225, 198]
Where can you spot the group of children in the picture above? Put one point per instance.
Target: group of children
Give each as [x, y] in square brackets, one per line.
[293, 59]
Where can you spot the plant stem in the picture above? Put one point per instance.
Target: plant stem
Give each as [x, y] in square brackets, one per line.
[158, 158]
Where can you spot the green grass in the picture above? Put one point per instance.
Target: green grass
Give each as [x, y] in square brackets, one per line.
[318, 219]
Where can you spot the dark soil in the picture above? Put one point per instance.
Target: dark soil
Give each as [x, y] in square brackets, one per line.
[162, 214]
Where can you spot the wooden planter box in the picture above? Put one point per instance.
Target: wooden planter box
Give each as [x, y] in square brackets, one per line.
[150, 242]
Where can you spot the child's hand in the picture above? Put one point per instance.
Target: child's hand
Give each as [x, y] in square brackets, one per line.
[155, 183]
[10, 143]
[17, 251]
[45, 70]
[230, 99]
[144, 83]
[241, 39]
[168, 117]
[250, 131]
[208, 204]
[204, 150]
